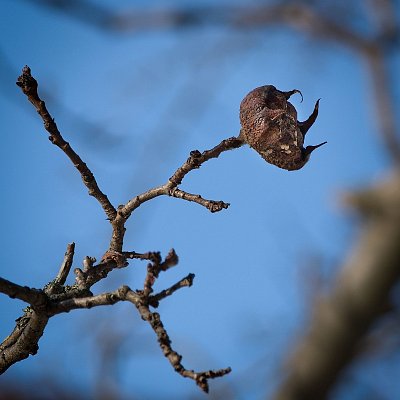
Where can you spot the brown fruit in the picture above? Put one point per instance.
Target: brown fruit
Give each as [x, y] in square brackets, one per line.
[270, 126]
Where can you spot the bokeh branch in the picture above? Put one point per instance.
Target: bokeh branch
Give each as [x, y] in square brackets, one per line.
[359, 297]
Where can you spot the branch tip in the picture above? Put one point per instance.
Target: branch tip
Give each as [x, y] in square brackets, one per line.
[29, 86]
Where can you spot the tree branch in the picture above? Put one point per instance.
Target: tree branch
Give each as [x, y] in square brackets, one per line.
[56, 297]
[212, 205]
[24, 339]
[143, 300]
[195, 160]
[29, 87]
[88, 277]
[187, 281]
[104, 299]
[35, 297]
[153, 318]
[66, 265]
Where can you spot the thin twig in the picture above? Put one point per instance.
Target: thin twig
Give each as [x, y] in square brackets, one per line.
[153, 318]
[187, 281]
[170, 260]
[142, 302]
[66, 264]
[29, 86]
[104, 299]
[155, 267]
[151, 255]
[212, 205]
[195, 160]
[87, 278]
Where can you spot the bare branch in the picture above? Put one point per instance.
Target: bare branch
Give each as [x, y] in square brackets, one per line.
[142, 301]
[212, 205]
[29, 87]
[195, 160]
[66, 265]
[343, 317]
[151, 255]
[24, 339]
[104, 299]
[170, 261]
[153, 318]
[88, 277]
[153, 270]
[202, 378]
[35, 297]
[88, 263]
[187, 281]
[57, 298]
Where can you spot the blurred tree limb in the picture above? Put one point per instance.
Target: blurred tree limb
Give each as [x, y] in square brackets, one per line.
[359, 297]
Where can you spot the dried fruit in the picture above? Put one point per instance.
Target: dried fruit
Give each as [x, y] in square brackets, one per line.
[270, 126]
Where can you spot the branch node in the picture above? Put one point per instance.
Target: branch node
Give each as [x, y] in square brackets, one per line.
[88, 263]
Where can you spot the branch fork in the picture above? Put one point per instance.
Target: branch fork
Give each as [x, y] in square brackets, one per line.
[57, 297]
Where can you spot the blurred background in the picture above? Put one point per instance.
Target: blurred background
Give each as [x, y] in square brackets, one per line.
[134, 86]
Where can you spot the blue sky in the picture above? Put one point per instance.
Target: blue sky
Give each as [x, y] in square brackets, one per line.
[143, 101]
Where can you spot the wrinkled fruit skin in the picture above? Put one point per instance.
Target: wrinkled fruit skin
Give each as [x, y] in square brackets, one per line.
[270, 126]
